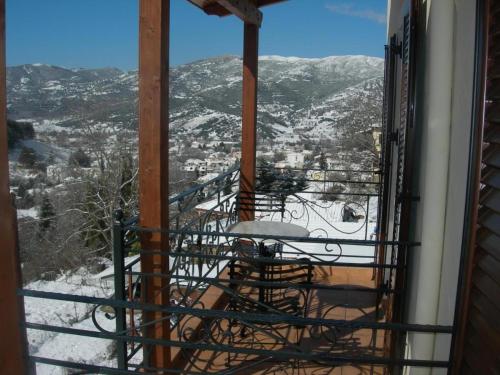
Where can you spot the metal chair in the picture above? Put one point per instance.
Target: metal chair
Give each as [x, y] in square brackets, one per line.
[280, 288]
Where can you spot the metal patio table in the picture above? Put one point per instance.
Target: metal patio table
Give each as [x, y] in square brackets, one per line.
[267, 228]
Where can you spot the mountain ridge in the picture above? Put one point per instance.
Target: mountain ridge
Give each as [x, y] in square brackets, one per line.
[205, 95]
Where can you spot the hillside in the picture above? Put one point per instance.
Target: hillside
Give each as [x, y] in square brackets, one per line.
[296, 95]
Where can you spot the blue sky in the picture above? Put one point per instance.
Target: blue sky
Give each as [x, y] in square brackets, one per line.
[98, 33]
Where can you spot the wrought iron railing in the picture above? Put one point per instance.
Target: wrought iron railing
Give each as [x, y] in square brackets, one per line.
[328, 197]
[231, 313]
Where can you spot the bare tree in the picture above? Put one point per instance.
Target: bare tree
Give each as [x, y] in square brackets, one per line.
[102, 191]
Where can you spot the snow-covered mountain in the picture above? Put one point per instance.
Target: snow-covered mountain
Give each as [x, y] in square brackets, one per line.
[311, 98]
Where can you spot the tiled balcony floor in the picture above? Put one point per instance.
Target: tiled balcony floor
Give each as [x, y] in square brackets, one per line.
[339, 341]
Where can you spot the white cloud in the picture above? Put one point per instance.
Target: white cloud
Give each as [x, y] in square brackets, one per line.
[349, 10]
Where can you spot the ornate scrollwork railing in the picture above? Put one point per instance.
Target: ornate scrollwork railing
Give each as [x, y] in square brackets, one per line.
[285, 312]
[250, 319]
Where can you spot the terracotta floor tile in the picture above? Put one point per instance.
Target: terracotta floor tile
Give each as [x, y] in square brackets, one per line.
[340, 340]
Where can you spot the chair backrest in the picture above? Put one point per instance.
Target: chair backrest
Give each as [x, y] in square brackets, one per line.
[284, 285]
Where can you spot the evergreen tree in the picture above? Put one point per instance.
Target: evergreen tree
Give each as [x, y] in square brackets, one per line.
[227, 186]
[24, 198]
[17, 131]
[323, 164]
[267, 176]
[27, 157]
[79, 159]
[21, 191]
[301, 182]
[285, 183]
[47, 216]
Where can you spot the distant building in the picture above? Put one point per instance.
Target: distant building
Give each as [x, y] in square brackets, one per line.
[377, 139]
[195, 165]
[295, 159]
[219, 164]
[56, 173]
[331, 162]
[236, 154]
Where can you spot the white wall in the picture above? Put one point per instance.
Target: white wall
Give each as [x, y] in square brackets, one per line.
[445, 73]
[434, 122]
[464, 44]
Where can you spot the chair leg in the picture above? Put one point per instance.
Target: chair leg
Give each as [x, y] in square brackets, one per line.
[243, 332]
[228, 359]
[299, 332]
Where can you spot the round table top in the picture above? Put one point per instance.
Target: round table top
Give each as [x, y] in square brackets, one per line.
[268, 228]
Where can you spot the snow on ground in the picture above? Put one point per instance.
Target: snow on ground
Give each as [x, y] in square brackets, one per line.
[68, 314]
[42, 150]
[74, 348]
[323, 219]
[28, 213]
[50, 125]
[200, 120]
[208, 177]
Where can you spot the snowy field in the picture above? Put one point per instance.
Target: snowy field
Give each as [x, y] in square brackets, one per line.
[69, 314]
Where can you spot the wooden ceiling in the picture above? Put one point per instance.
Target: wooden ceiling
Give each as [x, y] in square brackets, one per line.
[213, 7]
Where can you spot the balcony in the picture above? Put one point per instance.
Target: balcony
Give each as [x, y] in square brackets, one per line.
[259, 303]
[326, 277]
[192, 295]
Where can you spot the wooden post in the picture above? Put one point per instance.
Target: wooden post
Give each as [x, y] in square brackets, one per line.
[249, 125]
[153, 167]
[13, 346]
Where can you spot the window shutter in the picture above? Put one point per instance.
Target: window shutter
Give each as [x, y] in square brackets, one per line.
[478, 339]
[401, 196]
[391, 52]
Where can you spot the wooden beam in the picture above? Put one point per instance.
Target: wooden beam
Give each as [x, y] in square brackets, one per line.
[213, 8]
[249, 123]
[153, 166]
[244, 9]
[13, 345]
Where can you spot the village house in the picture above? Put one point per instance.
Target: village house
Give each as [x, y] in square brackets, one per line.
[195, 165]
[295, 159]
